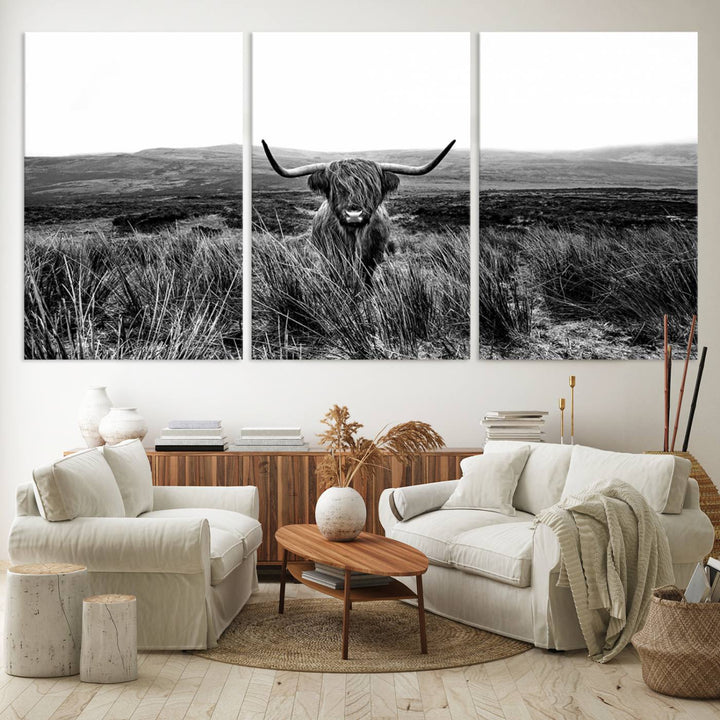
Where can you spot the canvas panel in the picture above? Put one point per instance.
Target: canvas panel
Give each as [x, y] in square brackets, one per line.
[354, 258]
[588, 193]
[133, 195]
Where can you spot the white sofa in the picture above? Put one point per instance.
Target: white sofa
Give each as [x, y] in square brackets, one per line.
[497, 572]
[189, 556]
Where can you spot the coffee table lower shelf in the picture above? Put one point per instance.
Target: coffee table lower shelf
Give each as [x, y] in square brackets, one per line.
[394, 590]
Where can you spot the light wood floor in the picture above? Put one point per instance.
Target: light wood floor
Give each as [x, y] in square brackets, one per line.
[177, 686]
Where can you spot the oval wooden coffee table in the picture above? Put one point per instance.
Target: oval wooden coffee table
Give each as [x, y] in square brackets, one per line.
[368, 553]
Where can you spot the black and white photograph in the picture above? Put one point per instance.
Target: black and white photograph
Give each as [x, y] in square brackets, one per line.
[360, 236]
[133, 196]
[588, 193]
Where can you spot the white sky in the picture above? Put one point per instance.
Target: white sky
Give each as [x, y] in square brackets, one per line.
[573, 90]
[361, 91]
[123, 92]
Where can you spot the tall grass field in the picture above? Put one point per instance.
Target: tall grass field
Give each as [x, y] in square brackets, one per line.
[168, 295]
[594, 291]
[138, 256]
[417, 305]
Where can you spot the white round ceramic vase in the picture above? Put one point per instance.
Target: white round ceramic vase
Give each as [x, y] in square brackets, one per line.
[340, 514]
[122, 423]
[95, 406]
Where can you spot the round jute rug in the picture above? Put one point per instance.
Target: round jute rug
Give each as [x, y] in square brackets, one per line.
[384, 637]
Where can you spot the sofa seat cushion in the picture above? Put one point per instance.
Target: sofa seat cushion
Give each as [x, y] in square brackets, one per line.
[227, 552]
[233, 536]
[435, 533]
[501, 552]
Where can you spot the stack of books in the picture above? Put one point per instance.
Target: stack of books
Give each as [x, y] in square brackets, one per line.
[192, 435]
[270, 439]
[334, 578]
[519, 425]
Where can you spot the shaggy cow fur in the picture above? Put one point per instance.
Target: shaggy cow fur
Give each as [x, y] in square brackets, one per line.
[352, 223]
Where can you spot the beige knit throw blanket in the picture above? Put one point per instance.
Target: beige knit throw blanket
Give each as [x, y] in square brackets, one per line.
[614, 551]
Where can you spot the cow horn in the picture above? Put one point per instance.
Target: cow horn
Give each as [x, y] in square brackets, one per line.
[293, 172]
[418, 169]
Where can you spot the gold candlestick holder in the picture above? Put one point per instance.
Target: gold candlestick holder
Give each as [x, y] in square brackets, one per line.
[561, 405]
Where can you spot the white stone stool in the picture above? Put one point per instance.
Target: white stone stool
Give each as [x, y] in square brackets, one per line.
[109, 639]
[43, 619]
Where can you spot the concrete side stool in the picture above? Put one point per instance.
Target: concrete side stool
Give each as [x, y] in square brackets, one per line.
[109, 639]
[43, 616]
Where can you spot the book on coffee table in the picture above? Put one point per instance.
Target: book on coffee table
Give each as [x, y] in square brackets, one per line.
[334, 578]
[340, 573]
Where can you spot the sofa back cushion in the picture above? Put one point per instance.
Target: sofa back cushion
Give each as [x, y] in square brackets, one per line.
[129, 464]
[660, 479]
[488, 482]
[542, 480]
[26, 504]
[79, 485]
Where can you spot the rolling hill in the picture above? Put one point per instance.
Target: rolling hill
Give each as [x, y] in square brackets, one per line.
[170, 173]
[641, 166]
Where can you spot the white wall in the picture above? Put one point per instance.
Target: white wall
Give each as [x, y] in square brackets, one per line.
[619, 404]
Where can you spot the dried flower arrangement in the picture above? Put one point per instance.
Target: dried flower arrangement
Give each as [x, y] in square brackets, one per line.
[352, 456]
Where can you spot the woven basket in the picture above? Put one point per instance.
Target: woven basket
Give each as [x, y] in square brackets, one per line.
[680, 646]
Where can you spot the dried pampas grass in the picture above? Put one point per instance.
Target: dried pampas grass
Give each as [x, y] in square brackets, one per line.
[352, 456]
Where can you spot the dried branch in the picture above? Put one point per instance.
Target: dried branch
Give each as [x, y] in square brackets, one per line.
[367, 453]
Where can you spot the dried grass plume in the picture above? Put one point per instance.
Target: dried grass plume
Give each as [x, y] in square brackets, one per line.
[354, 457]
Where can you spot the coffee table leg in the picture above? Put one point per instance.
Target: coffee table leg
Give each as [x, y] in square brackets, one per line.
[283, 572]
[346, 615]
[421, 615]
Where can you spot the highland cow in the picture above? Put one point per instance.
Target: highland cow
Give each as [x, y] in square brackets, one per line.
[352, 224]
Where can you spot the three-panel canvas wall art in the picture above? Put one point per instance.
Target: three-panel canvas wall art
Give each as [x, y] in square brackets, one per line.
[360, 233]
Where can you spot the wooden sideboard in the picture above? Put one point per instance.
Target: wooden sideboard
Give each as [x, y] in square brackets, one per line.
[286, 482]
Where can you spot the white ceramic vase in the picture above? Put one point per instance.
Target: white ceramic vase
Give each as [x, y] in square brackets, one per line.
[340, 514]
[96, 404]
[122, 423]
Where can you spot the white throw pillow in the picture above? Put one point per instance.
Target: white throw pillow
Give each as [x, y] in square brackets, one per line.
[79, 485]
[660, 479]
[413, 500]
[129, 464]
[542, 480]
[488, 482]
